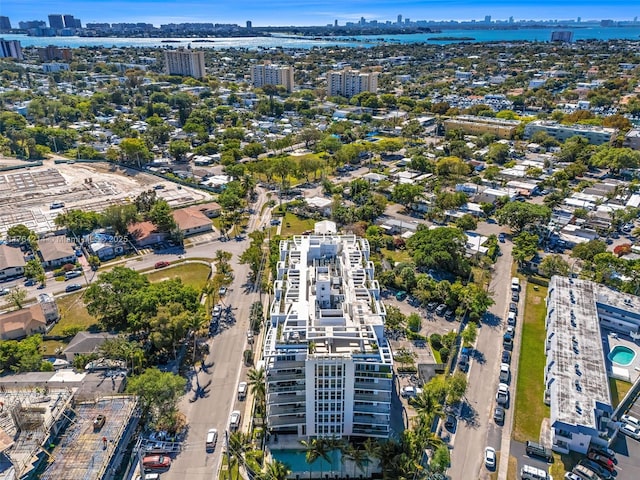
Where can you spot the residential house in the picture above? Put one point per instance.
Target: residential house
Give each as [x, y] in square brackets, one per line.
[22, 323]
[103, 245]
[321, 205]
[211, 209]
[56, 251]
[192, 221]
[85, 343]
[11, 262]
[145, 234]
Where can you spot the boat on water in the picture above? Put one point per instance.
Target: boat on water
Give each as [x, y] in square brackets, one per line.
[169, 41]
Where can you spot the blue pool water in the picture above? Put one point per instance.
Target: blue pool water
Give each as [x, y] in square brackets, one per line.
[622, 355]
[296, 459]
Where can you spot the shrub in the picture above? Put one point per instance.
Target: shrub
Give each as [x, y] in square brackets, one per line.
[67, 267]
[436, 340]
[444, 354]
[413, 322]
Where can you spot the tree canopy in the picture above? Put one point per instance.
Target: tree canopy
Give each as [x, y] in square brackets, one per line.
[523, 215]
[440, 249]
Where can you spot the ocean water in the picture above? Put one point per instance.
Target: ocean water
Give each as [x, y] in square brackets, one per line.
[253, 43]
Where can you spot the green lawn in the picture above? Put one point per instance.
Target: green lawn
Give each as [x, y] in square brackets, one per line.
[72, 313]
[194, 274]
[294, 225]
[396, 256]
[619, 389]
[530, 408]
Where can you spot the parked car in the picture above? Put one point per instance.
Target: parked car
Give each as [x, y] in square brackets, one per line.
[602, 450]
[217, 311]
[401, 295]
[234, 420]
[506, 356]
[534, 449]
[606, 462]
[630, 430]
[222, 291]
[441, 308]
[156, 462]
[502, 395]
[505, 373]
[511, 319]
[631, 420]
[501, 237]
[507, 341]
[598, 469]
[449, 314]
[161, 264]
[4, 291]
[511, 331]
[242, 390]
[73, 287]
[431, 306]
[513, 307]
[572, 476]
[490, 457]
[450, 423]
[29, 282]
[498, 414]
[98, 422]
[515, 296]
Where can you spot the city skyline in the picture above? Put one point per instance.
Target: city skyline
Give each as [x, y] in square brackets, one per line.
[313, 12]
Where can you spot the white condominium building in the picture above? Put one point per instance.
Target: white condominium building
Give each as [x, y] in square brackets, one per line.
[184, 62]
[328, 365]
[268, 74]
[348, 83]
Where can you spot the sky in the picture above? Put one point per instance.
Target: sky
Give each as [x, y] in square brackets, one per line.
[313, 12]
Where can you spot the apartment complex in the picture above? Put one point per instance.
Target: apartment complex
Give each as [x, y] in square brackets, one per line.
[328, 364]
[472, 125]
[10, 49]
[584, 323]
[594, 134]
[185, 62]
[51, 52]
[348, 83]
[270, 74]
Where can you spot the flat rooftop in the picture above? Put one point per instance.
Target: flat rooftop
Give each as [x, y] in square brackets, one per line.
[81, 454]
[575, 359]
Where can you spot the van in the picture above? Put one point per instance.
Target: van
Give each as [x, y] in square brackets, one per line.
[511, 320]
[515, 284]
[532, 473]
[536, 450]
[72, 274]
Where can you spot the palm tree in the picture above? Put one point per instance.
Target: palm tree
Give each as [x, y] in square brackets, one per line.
[257, 383]
[372, 449]
[276, 470]
[316, 448]
[196, 324]
[357, 455]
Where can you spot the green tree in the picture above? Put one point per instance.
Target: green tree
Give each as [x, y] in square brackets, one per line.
[498, 153]
[470, 333]
[33, 268]
[553, 265]
[78, 222]
[315, 449]
[119, 217]
[178, 149]
[441, 248]
[407, 194]
[525, 246]
[257, 383]
[414, 322]
[616, 159]
[16, 298]
[158, 391]
[161, 216]
[467, 222]
[135, 150]
[521, 216]
[19, 233]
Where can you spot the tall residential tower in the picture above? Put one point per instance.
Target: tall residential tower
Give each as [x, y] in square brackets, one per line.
[268, 74]
[327, 362]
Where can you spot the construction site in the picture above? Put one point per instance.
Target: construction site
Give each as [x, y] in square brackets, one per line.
[45, 434]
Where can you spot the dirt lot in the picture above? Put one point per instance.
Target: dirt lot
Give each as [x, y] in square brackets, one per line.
[27, 194]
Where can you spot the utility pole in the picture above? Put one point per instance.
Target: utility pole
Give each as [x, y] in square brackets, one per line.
[226, 437]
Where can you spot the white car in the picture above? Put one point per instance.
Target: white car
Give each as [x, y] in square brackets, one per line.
[630, 420]
[490, 457]
[234, 420]
[502, 395]
[505, 373]
[242, 390]
[630, 430]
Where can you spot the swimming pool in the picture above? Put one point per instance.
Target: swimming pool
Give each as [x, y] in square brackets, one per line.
[296, 459]
[622, 355]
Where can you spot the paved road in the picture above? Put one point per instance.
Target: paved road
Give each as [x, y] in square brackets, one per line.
[476, 429]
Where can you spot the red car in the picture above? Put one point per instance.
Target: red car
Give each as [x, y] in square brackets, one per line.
[161, 264]
[156, 462]
[602, 460]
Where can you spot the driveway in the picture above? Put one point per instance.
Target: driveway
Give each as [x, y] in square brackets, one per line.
[519, 452]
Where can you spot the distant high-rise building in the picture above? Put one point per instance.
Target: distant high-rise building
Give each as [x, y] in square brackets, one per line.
[249, 24]
[564, 36]
[185, 62]
[487, 19]
[52, 52]
[335, 22]
[399, 19]
[348, 83]
[362, 21]
[5, 23]
[78, 23]
[69, 21]
[510, 19]
[268, 74]
[56, 21]
[579, 19]
[10, 49]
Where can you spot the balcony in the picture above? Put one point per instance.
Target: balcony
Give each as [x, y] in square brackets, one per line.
[382, 385]
[369, 408]
[291, 421]
[273, 377]
[371, 431]
[279, 409]
[381, 397]
[371, 419]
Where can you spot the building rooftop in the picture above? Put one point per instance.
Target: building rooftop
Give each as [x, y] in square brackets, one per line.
[81, 454]
[577, 375]
[55, 248]
[11, 257]
[326, 299]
